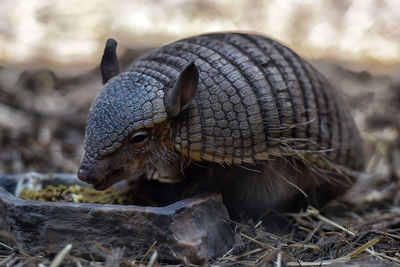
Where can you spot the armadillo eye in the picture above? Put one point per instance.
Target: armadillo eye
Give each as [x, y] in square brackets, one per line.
[140, 137]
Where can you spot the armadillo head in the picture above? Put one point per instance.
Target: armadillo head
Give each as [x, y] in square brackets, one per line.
[130, 120]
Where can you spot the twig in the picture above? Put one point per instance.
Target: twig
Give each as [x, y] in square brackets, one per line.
[264, 245]
[10, 237]
[278, 260]
[148, 251]
[108, 252]
[60, 256]
[225, 255]
[268, 257]
[315, 212]
[258, 224]
[249, 253]
[314, 247]
[77, 262]
[364, 247]
[152, 258]
[318, 263]
[6, 246]
[7, 259]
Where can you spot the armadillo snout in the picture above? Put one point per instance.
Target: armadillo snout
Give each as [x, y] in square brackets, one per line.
[102, 173]
[85, 173]
[89, 172]
[95, 176]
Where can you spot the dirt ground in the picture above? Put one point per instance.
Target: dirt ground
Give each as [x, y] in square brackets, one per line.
[42, 120]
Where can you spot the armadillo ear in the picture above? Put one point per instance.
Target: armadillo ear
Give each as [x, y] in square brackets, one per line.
[178, 99]
[109, 61]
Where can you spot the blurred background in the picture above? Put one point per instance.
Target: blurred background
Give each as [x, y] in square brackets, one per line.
[50, 52]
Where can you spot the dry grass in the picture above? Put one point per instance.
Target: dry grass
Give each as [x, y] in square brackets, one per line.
[362, 230]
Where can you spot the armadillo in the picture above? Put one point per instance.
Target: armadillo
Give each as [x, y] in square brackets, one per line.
[238, 109]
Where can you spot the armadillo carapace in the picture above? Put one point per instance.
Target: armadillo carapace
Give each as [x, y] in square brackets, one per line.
[238, 109]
